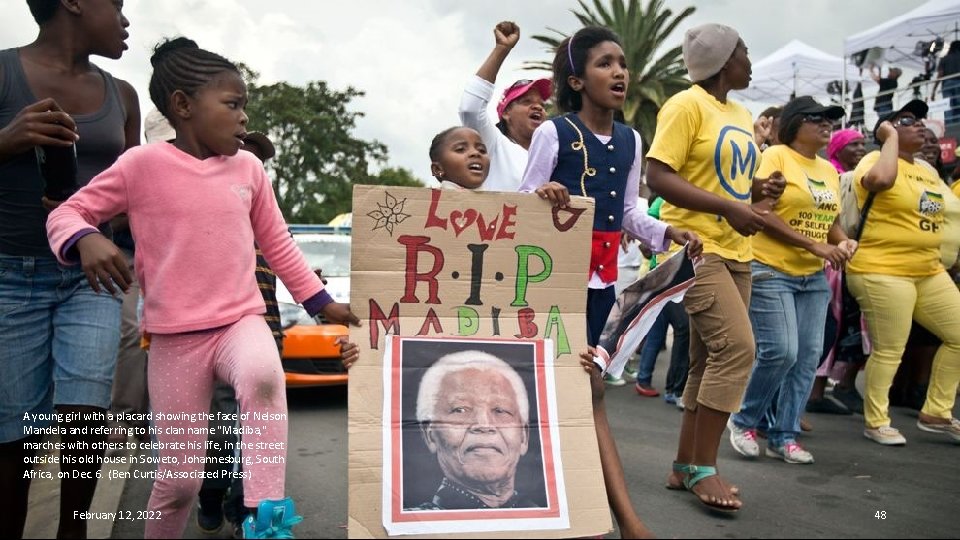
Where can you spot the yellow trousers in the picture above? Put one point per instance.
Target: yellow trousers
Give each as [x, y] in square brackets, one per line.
[889, 304]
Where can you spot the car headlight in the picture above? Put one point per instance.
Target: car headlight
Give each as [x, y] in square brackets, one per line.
[293, 314]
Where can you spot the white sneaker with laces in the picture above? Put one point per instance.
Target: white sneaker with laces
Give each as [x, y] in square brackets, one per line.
[791, 452]
[744, 441]
[885, 435]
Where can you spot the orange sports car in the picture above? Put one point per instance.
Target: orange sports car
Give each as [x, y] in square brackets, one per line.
[311, 355]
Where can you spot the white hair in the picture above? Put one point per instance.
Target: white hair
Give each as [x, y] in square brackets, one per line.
[460, 361]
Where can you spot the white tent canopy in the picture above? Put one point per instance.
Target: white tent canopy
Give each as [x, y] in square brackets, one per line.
[794, 69]
[899, 36]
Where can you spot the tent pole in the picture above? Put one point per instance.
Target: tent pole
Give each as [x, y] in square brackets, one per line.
[843, 83]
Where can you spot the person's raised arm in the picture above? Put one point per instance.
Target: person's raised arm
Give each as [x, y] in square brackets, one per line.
[506, 34]
[883, 174]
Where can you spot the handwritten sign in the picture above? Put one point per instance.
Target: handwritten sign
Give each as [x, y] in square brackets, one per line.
[443, 263]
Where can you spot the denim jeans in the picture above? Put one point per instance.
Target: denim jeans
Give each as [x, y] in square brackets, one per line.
[674, 315]
[58, 342]
[786, 313]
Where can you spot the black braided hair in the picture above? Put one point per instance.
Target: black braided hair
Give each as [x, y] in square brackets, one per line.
[568, 99]
[42, 10]
[180, 64]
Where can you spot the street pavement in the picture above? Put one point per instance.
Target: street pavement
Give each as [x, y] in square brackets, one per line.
[856, 488]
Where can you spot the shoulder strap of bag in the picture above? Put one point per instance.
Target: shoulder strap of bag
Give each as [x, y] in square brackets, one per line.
[864, 213]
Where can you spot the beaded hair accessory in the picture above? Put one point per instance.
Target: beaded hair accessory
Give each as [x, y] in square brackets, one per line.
[581, 146]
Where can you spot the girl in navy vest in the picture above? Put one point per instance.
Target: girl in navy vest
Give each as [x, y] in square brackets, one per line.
[587, 153]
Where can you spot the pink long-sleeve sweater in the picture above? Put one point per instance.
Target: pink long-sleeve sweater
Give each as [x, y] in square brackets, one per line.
[195, 222]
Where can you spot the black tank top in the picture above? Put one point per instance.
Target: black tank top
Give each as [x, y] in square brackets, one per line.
[23, 219]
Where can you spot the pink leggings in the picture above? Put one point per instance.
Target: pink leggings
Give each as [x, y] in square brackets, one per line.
[181, 373]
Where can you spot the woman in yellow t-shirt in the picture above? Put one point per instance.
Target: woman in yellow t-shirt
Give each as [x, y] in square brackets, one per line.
[790, 291]
[702, 162]
[897, 276]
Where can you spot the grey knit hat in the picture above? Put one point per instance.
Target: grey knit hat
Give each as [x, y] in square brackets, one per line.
[706, 49]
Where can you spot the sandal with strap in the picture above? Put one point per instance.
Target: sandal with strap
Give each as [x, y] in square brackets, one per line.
[683, 469]
[698, 473]
[687, 469]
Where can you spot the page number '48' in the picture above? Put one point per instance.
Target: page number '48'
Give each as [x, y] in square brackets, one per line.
[880, 514]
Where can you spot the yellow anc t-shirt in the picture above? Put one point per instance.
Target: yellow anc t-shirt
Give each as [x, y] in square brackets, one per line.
[905, 225]
[710, 144]
[809, 205]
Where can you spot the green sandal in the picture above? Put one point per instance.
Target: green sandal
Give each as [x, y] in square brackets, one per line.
[684, 469]
[698, 473]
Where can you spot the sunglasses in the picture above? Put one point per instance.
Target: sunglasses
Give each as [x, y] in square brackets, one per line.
[522, 82]
[908, 121]
[815, 118]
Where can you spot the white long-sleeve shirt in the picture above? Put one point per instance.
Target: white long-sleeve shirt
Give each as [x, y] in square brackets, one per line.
[507, 158]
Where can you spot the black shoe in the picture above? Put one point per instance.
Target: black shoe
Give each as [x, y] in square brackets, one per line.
[826, 406]
[209, 518]
[850, 398]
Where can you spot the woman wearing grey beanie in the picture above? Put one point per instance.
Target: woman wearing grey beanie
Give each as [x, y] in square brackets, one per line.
[702, 162]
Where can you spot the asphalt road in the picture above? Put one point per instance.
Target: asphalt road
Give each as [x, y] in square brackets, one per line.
[914, 487]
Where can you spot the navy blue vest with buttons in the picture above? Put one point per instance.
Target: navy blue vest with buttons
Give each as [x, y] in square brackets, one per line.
[610, 164]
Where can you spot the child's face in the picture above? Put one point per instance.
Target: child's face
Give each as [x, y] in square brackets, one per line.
[463, 159]
[217, 121]
[605, 79]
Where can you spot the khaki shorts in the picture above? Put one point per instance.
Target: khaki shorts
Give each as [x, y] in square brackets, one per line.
[721, 339]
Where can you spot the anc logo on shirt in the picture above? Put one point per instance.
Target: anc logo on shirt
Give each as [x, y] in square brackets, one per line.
[823, 197]
[931, 203]
[744, 160]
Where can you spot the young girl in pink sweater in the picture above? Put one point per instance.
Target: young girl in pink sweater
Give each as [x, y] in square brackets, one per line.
[196, 206]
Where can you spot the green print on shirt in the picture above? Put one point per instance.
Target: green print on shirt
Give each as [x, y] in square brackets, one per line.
[823, 197]
[931, 204]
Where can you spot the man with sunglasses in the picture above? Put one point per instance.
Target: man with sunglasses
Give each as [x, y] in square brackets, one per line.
[519, 112]
[897, 275]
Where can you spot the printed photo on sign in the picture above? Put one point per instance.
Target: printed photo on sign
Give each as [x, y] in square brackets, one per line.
[473, 436]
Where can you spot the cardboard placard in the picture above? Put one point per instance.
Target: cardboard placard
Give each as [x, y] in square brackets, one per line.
[470, 265]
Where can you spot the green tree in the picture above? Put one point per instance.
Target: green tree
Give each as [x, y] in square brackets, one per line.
[318, 158]
[642, 30]
[394, 176]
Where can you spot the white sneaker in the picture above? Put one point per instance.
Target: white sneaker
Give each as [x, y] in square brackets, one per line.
[885, 435]
[791, 452]
[613, 381]
[744, 441]
[952, 429]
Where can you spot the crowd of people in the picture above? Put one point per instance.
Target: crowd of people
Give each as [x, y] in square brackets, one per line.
[796, 254]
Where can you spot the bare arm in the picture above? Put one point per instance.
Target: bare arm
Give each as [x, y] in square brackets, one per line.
[779, 230]
[745, 219]
[131, 103]
[883, 174]
[617, 495]
[507, 35]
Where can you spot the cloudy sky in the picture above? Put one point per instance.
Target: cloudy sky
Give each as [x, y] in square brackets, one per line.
[412, 57]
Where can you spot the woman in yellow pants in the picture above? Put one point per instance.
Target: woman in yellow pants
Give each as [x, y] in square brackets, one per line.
[897, 276]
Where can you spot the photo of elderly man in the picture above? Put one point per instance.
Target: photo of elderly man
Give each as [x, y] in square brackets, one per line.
[474, 443]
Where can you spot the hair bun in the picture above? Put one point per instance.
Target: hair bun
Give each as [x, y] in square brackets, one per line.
[168, 46]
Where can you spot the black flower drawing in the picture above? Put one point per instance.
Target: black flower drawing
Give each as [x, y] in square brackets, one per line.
[390, 214]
